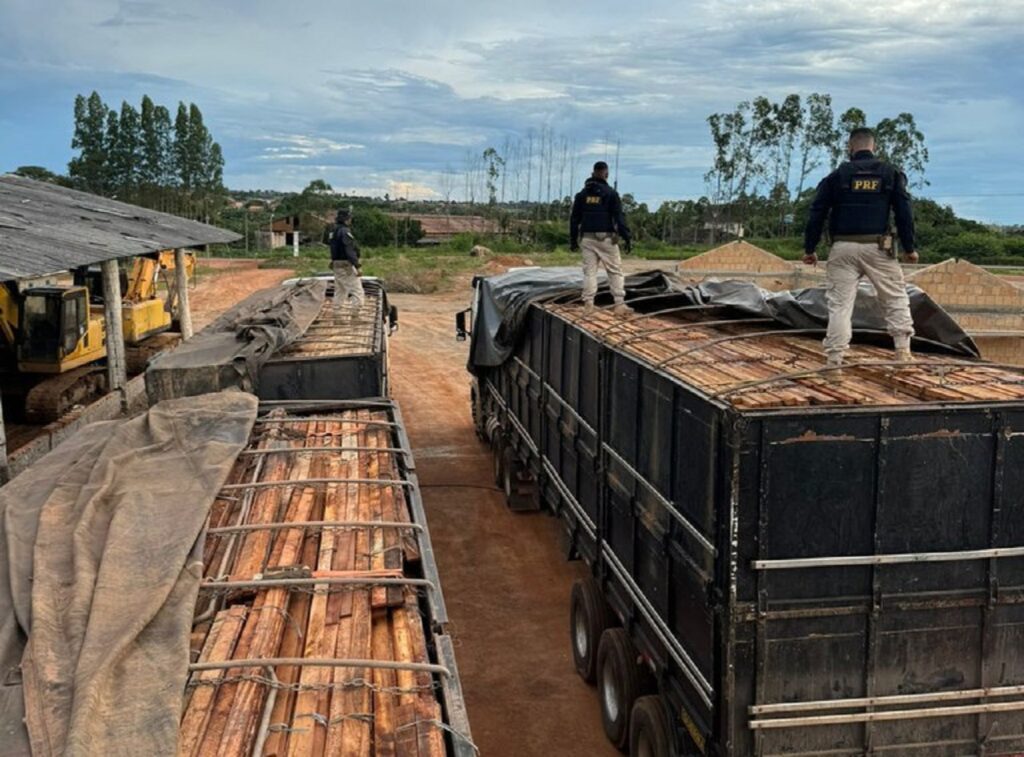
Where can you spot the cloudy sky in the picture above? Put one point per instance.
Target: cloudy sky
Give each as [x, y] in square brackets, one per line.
[382, 95]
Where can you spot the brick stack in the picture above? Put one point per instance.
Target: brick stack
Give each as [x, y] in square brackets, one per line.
[988, 307]
[746, 262]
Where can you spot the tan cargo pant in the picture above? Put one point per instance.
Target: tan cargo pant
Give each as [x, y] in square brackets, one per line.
[602, 249]
[848, 262]
[348, 289]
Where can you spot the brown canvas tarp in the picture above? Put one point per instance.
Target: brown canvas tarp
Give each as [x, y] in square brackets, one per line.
[99, 575]
[229, 353]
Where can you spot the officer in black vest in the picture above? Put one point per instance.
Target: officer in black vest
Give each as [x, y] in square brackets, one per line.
[595, 225]
[857, 199]
[348, 288]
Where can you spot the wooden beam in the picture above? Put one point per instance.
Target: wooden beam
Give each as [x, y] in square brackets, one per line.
[181, 281]
[117, 374]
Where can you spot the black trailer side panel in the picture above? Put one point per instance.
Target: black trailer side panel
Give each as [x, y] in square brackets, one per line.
[929, 480]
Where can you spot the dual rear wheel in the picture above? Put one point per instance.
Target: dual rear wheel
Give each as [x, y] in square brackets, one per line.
[634, 717]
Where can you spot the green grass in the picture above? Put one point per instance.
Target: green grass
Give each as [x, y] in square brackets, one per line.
[435, 269]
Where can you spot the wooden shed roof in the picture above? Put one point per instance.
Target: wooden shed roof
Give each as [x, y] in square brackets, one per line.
[45, 228]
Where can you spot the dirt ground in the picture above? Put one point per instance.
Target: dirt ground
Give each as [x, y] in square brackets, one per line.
[504, 575]
[229, 281]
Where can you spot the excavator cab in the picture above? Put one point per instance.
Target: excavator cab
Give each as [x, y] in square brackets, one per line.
[56, 332]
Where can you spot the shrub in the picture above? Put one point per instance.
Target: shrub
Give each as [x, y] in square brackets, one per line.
[971, 245]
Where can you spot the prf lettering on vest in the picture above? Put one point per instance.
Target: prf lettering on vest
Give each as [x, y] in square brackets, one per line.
[866, 185]
[593, 201]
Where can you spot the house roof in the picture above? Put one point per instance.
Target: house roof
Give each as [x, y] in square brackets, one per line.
[45, 228]
[435, 225]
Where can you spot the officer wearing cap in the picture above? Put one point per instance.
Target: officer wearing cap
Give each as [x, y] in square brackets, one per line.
[857, 198]
[595, 225]
[348, 289]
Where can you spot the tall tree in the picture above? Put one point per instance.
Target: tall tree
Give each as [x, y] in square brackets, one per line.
[153, 157]
[494, 163]
[199, 145]
[165, 145]
[182, 163]
[901, 142]
[89, 167]
[817, 135]
[124, 149]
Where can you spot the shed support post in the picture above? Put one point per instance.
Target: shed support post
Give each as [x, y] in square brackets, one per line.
[181, 281]
[5, 471]
[117, 375]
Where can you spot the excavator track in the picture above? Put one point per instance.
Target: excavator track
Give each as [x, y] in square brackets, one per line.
[54, 396]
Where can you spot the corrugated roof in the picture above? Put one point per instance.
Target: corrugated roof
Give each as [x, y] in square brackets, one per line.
[45, 228]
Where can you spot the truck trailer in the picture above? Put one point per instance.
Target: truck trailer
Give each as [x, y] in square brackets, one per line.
[783, 559]
[342, 355]
[321, 626]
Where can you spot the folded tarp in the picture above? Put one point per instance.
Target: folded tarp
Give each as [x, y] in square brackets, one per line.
[231, 351]
[505, 299]
[100, 563]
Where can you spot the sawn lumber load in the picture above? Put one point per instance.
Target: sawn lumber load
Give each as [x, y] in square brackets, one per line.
[331, 581]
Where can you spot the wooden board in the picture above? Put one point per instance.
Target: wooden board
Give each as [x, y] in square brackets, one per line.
[748, 367]
[316, 710]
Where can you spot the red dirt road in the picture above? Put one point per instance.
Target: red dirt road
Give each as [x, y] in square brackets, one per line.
[230, 281]
[505, 579]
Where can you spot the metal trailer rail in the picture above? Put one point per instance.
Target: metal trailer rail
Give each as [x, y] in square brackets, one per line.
[441, 647]
[350, 366]
[758, 557]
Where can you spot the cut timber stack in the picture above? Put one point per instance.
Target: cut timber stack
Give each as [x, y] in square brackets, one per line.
[755, 367]
[343, 354]
[342, 330]
[301, 576]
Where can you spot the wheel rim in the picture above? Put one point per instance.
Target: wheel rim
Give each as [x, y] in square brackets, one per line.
[610, 694]
[580, 635]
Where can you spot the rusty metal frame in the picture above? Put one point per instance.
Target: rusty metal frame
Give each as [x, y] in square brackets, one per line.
[689, 325]
[316, 482]
[325, 525]
[869, 364]
[319, 662]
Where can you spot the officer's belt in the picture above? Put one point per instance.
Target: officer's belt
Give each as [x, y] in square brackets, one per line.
[861, 238]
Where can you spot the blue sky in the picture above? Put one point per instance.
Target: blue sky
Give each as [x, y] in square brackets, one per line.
[387, 96]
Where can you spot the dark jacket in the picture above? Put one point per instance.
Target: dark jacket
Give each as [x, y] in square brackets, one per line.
[344, 246]
[597, 208]
[857, 199]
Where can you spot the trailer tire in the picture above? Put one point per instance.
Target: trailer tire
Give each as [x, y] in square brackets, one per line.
[649, 732]
[516, 481]
[589, 618]
[620, 682]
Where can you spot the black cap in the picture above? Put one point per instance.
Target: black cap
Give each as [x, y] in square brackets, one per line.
[343, 215]
[600, 166]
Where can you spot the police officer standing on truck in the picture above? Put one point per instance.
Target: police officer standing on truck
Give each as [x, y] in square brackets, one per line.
[857, 198]
[595, 226]
[348, 289]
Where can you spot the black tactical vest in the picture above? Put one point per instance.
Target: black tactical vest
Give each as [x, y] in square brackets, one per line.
[597, 211]
[864, 197]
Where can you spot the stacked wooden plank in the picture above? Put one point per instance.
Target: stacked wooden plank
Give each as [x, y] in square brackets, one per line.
[321, 709]
[753, 366]
[339, 331]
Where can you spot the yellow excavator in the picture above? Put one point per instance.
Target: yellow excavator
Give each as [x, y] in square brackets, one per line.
[56, 333]
[144, 313]
[56, 340]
